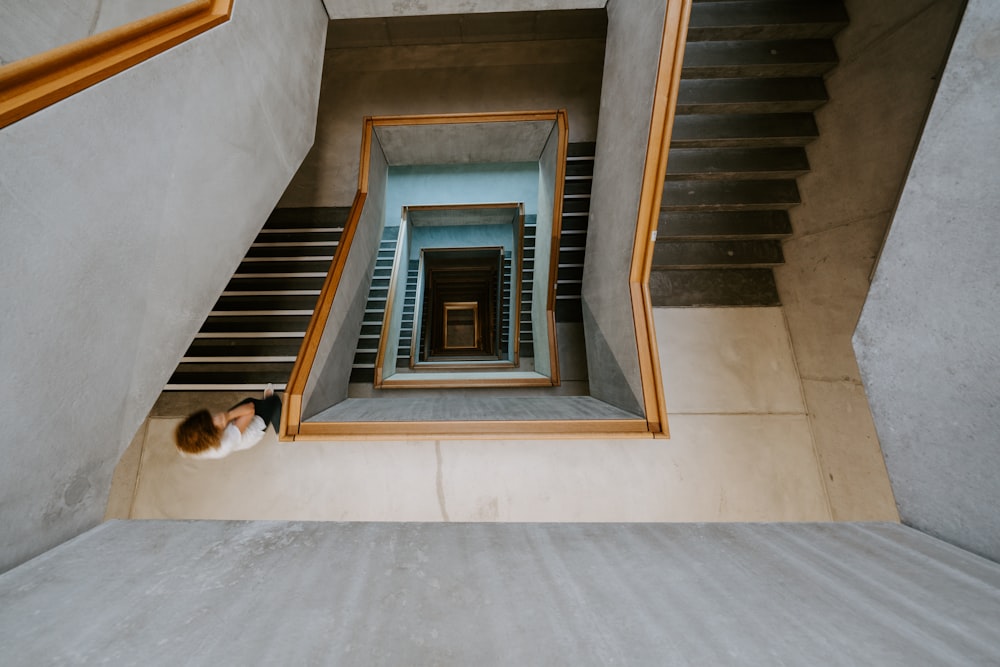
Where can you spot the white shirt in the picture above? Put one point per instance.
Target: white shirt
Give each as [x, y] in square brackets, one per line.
[234, 441]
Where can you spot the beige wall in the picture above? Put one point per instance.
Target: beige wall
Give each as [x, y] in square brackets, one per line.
[425, 79]
[891, 55]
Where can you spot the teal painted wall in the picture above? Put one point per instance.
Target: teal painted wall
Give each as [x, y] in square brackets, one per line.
[461, 184]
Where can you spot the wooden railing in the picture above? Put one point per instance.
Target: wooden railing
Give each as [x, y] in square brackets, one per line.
[661, 127]
[36, 82]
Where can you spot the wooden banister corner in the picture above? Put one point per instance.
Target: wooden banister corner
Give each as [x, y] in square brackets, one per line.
[33, 83]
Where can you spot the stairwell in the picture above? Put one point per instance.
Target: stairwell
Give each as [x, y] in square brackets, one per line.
[751, 80]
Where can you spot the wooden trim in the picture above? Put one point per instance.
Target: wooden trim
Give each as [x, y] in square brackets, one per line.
[562, 125]
[33, 83]
[476, 429]
[675, 27]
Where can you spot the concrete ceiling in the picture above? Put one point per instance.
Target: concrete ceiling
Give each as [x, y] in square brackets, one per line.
[464, 143]
[467, 28]
[462, 215]
[360, 9]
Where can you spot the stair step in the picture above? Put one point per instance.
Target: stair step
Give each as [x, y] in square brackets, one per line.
[284, 218]
[286, 324]
[304, 235]
[232, 373]
[294, 250]
[713, 287]
[788, 95]
[729, 195]
[743, 130]
[279, 283]
[764, 58]
[765, 19]
[262, 303]
[745, 163]
[244, 347]
[285, 266]
[717, 254]
[721, 225]
[579, 168]
[581, 149]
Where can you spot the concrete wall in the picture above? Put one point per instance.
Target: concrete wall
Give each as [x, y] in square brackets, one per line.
[635, 32]
[30, 28]
[891, 56]
[928, 342]
[359, 9]
[124, 211]
[331, 370]
[446, 78]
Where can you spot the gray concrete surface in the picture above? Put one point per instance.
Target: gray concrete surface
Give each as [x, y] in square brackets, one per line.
[124, 211]
[200, 593]
[30, 28]
[331, 369]
[928, 341]
[442, 78]
[358, 9]
[635, 32]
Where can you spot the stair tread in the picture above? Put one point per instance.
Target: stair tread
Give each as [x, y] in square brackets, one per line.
[737, 130]
[713, 287]
[769, 162]
[729, 195]
[769, 95]
[759, 58]
[714, 253]
[765, 19]
[282, 218]
[681, 225]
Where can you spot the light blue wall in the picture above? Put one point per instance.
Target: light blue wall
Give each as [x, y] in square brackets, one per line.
[464, 236]
[461, 184]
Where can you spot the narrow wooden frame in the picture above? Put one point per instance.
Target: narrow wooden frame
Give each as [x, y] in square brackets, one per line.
[675, 26]
[477, 334]
[33, 83]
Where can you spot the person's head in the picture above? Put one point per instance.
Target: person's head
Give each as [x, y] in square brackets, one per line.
[197, 433]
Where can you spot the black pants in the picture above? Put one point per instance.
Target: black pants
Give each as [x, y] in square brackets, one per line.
[269, 409]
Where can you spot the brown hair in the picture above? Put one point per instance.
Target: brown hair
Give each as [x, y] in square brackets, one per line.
[197, 433]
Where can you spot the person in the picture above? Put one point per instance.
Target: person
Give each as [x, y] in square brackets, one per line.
[206, 435]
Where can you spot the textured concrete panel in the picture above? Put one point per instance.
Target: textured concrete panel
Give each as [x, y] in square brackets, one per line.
[30, 28]
[466, 143]
[635, 31]
[512, 594]
[360, 9]
[124, 211]
[514, 76]
[928, 342]
[331, 369]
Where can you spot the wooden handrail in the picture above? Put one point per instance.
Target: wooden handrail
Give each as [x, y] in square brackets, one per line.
[675, 26]
[33, 83]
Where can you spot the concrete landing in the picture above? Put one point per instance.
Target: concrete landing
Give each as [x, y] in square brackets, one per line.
[167, 593]
[471, 408]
